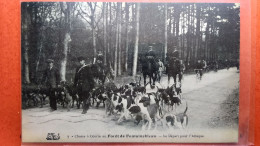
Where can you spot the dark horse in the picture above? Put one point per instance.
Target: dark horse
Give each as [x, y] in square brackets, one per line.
[149, 68]
[102, 72]
[174, 69]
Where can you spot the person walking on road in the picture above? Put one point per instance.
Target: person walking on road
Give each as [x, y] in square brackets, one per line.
[84, 82]
[161, 69]
[51, 79]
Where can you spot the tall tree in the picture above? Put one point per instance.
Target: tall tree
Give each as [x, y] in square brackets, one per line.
[127, 35]
[197, 46]
[93, 24]
[66, 9]
[165, 31]
[105, 31]
[136, 39]
[119, 38]
[25, 40]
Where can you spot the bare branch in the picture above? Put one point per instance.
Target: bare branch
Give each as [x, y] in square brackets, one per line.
[84, 18]
[61, 7]
[84, 11]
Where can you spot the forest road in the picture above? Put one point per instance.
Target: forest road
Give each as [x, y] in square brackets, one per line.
[204, 99]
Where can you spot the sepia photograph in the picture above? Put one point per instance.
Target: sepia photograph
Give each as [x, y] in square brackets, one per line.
[130, 72]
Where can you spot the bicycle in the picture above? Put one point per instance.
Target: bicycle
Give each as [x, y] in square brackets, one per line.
[198, 74]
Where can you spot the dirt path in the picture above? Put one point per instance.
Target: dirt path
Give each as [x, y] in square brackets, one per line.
[204, 100]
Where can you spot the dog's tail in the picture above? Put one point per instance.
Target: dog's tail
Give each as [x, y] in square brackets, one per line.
[186, 108]
[187, 121]
[139, 81]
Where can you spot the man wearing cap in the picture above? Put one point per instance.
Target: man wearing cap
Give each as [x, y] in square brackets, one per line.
[99, 68]
[150, 54]
[51, 79]
[84, 82]
[151, 57]
[174, 66]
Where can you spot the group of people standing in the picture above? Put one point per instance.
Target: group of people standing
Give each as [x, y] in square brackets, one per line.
[84, 80]
[173, 66]
[88, 74]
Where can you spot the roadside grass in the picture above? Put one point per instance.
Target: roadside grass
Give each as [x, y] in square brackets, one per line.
[229, 112]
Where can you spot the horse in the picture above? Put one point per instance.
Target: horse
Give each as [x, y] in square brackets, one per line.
[174, 69]
[102, 73]
[149, 68]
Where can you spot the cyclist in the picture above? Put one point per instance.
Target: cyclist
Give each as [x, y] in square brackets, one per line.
[199, 68]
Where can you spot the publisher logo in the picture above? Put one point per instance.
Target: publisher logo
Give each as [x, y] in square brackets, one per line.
[53, 136]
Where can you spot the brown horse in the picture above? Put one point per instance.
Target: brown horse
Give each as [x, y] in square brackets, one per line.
[174, 69]
[149, 68]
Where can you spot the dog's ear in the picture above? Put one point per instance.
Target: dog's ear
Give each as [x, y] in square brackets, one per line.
[119, 107]
[120, 100]
[115, 97]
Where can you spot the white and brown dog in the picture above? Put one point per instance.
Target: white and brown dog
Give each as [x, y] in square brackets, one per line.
[147, 109]
[179, 120]
[122, 103]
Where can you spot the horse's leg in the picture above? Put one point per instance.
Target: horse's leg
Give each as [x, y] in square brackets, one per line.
[154, 77]
[174, 78]
[169, 78]
[150, 78]
[180, 76]
[159, 76]
[144, 75]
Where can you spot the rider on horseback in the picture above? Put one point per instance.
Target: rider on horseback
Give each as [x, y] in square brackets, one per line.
[150, 66]
[174, 66]
[99, 69]
[150, 56]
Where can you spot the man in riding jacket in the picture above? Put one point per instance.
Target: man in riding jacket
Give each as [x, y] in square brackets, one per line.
[84, 82]
[174, 65]
[150, 55]
[51, 79]
[98, 69]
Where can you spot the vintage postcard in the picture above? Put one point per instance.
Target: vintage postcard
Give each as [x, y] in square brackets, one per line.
[130, 72]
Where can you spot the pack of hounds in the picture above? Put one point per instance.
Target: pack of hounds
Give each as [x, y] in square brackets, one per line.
[150, 105]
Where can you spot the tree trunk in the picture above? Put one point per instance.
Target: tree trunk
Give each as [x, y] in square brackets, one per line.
[93, 27]
[136, 39]
[207, 37]
[105, 31]
[127, 35]
[66, 41]
[182, 38]
[39, 48]
[25, 36]
[119, 38]
[170, 27]
[165, 32]
[109, 55]
[188, 37]
[177, 26]
[192, 33]
[66, 9]
[94, 39]
[116, 47]
[197, 31]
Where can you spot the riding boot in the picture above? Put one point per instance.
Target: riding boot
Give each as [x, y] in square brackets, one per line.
[84, 106]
